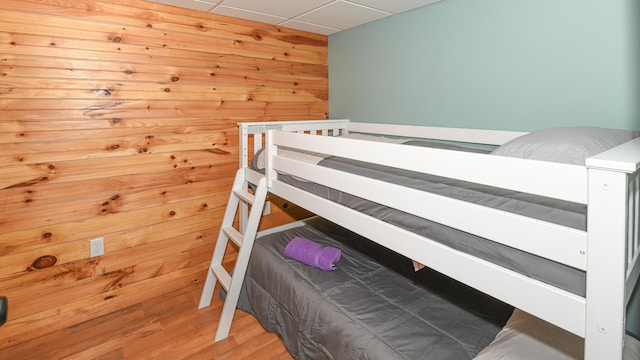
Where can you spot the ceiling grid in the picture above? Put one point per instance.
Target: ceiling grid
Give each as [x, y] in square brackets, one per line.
[317, 16]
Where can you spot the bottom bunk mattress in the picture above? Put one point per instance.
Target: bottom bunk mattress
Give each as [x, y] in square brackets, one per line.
[371, 307]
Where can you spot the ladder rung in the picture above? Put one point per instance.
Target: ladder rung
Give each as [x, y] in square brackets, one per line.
[234, 235]
[222, 275]
[246, 196]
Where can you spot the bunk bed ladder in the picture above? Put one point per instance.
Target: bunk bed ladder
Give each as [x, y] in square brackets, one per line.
[232, 283]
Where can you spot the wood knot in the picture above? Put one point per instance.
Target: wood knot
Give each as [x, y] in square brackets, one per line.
[117, 39]
[166, 90]
[102, 92]
[175, 79]
[218, 151]
[256, 35]
[43, 262]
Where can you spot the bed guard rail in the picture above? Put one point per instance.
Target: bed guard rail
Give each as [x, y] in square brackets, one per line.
[258, 131]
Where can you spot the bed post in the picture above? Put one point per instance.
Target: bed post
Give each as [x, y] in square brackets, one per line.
[606, 264]
[612, 258]
[243, 158]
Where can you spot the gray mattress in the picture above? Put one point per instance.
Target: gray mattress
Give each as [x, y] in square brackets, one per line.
[374, 306]
[555, 211]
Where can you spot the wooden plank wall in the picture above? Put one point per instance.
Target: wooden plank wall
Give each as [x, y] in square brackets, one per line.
[118, 120]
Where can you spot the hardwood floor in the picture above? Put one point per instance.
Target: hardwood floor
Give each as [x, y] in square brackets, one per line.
[165, 327]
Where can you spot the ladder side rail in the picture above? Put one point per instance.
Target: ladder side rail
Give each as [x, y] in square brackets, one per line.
[242, 262]
[221, 243]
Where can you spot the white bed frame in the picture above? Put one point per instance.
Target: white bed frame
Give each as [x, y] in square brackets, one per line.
[609, 185]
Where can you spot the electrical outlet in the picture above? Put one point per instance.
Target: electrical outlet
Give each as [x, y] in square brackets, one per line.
[97, 247]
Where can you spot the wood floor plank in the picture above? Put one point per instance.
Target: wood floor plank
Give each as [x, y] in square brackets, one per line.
[168, 326]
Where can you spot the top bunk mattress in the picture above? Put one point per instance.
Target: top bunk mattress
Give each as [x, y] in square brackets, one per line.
[556, 211]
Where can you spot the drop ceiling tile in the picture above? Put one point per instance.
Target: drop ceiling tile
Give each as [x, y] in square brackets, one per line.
[320, 16]
[248, 15]
[394, 6]
[188, 4]
[300, 25]
[342, 15]
[282, 8]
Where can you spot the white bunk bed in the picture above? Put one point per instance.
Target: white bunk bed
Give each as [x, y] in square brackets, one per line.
[607, 251]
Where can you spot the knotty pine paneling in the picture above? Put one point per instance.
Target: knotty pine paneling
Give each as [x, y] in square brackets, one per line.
[118, 120]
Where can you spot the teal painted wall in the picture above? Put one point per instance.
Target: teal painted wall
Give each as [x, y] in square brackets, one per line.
[496, 64]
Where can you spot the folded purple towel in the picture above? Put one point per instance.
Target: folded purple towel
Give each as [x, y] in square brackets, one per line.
[312, 253]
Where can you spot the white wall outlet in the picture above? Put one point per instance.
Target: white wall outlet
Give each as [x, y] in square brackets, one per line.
[97, 247]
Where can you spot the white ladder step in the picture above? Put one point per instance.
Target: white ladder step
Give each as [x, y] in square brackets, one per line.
[233, 234]
[222, 275]
[244, 195]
